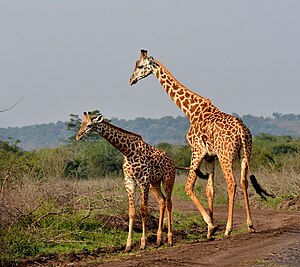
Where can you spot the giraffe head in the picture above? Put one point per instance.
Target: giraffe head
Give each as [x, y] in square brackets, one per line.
[143, 67]
[88, 124]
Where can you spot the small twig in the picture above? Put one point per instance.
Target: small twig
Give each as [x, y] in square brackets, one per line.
[7, 109]
[24, 215]
[47, 214]
[63, 241]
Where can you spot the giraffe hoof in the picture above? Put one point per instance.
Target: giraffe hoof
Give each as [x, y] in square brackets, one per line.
[143, 243]
[211, 232]
[251, 229]
[128, 249]
[158, 244]
[227, 233]
[170, 239]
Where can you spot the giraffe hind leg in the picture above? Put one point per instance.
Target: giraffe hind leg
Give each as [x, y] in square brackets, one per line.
[161, 200]
[210, 166]
[244, 185]
[227, 169]
[168, 187]
[144, 213]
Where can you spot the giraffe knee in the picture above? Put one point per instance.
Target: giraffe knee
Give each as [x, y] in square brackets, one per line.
[131, 214]
[144, 210]
[189, 190]
[244, 184]
[231, 186]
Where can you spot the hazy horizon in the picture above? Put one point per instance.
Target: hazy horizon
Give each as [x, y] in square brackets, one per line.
[73, 56]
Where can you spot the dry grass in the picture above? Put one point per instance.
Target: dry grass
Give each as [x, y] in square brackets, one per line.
[21, 199]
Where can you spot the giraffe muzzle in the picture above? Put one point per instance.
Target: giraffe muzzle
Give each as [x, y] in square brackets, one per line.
[78, 137]
[132, 81]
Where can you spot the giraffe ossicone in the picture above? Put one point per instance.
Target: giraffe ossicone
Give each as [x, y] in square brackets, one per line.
[212, 134]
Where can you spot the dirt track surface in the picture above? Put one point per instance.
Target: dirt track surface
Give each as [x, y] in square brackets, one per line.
[276, 243]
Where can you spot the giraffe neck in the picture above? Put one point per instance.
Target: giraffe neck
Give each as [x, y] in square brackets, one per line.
[188, 101]
[121, 139]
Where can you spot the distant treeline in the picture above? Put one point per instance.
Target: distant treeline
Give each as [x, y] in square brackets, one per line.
[167, 129]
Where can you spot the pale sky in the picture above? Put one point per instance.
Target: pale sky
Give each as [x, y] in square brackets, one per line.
[70, 56]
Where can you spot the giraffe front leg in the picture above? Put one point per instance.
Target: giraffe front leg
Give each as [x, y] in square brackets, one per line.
[189, 189]
[130, 188]
[210, 166]
[156, 190]
[144, 213]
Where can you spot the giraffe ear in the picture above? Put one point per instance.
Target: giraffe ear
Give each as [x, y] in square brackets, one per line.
[98, 119]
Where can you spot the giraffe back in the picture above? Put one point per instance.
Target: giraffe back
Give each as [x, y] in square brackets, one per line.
[149, 162]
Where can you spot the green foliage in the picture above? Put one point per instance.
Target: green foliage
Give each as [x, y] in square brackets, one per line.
[180, 154]
[73, 125]
[100, 159]
[52, 162]
[92, 159]
[17, 243]
[15, 163]
[10, 145]
[270, 150]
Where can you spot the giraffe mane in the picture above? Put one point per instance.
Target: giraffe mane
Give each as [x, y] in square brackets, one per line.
[122, 130]
[175, 80]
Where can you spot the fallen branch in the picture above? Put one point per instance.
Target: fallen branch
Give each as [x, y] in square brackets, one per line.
[46, 215]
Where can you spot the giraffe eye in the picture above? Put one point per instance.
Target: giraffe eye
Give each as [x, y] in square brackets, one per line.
[140, 67]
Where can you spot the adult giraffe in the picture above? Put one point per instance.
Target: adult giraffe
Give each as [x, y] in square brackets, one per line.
[212, 134]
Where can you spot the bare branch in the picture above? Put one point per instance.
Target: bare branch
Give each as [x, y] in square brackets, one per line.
[7, 109]
[47, 214]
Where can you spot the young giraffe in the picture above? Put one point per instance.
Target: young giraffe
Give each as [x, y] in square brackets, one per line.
[212, 133]
[144, 165]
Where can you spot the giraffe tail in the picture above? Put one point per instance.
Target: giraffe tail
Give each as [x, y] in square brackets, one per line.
[199, 173]
[260, 191]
